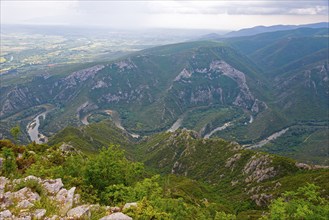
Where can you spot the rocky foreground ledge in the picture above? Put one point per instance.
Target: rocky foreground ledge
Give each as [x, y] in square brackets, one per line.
[33, 198]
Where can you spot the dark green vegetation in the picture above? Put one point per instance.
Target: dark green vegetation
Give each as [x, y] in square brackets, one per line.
[93, 137]
[172, 175]
[296, 63]
[292, 205]
[305, 143]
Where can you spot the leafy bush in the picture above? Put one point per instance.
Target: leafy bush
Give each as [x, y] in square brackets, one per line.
[110, 167]
[9, 167]
[224, 216]
[305, 203]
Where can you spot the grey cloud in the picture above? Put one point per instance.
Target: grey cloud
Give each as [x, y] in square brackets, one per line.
[245, 8]
[110, 7]
[282, 8]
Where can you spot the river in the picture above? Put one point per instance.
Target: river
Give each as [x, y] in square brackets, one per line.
[117, 121]
[84, 120]
[176, 125]
[33, 129]
[218, 129]
[268, 139]
[115, 118]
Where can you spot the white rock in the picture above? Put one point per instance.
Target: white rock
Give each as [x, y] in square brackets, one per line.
[6, 200]
[76, 199]
[5, 214]
[37, 179]
[116, 216]
[80, 212]
[65, 199]
[26, 194]
[115, 209]
[130, 204]
[23, 216]
[54, 217]
[53, 186]
[3, 182]
[39, 213]
[25, 204]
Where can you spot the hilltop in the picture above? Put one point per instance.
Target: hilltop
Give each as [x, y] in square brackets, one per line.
[168, 175]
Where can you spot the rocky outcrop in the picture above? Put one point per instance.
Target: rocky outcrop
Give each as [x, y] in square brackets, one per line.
[117, 216]
[184, 74]
[258, 169]
[53, 186]
[82, 75]
[262, 199]
[20, 203]
[245, 98]
[67, 148]
[39, 213]
[80, 212]
[6, 214]
[232, 160]
[3, 182]
[65, 198]
[16, 99]
[129, 205]
[305, 166]
[123, 65]
[101, 84]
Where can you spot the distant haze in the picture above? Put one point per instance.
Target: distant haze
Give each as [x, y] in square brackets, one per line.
[228, 15]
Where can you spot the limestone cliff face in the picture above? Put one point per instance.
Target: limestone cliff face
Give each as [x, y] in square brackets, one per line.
[18, 98]
[43, 90]
[222, 84]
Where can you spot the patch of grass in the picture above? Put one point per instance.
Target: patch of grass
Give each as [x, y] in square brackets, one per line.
[46, 203]
[34, 185]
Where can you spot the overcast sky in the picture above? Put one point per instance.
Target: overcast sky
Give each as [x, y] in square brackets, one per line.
[227, 15]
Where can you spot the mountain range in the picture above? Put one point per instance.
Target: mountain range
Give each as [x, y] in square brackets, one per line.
[263, 29]
[228, 128]
[246, 89]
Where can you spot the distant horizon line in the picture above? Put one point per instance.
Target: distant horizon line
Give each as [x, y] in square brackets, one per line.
[102, 27]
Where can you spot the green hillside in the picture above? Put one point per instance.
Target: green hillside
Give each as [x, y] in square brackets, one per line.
[199, 178]
[91, 138]
[242, 89]
[149, 90]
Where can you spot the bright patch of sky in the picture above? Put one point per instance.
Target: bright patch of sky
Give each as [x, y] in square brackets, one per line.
[164, 14]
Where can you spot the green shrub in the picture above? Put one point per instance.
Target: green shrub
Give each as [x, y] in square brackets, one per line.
[9, 167]
[305, 203]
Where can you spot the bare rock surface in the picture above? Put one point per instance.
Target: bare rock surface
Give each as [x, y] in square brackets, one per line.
[80, 212]
[5, 214]
[53, 186]
[65, 198]
[232, 160]
[26, 194]
[39, 213]
[117, 216]
[258, 169]
[129, 205]
[17, 203]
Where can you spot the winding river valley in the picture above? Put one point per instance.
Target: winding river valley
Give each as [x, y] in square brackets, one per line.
[33, 128]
